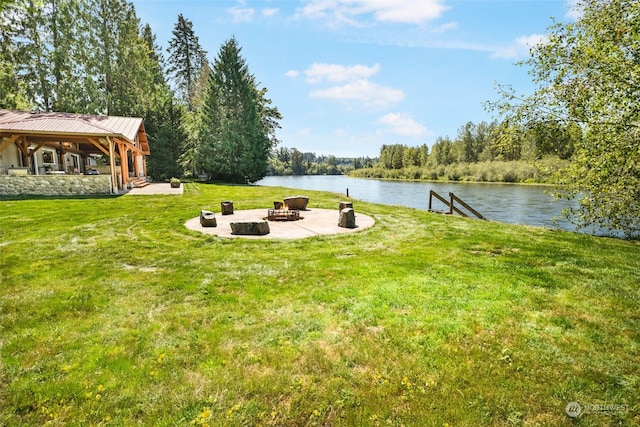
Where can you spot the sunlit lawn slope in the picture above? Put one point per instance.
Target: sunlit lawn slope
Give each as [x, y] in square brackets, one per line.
[112, 313]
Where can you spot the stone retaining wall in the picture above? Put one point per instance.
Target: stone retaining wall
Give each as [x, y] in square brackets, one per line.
[55, 185]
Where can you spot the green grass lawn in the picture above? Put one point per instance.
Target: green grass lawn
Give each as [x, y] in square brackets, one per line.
[113, 313]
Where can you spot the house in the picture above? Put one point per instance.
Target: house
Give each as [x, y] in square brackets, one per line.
[66, 151]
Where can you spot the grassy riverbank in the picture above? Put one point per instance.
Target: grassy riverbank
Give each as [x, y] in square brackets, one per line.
[112, 313]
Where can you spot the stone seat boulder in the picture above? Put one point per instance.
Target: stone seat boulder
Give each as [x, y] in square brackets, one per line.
[208, 219]
[347, 218]
[250, 228]
[226, 207]
[296, 202]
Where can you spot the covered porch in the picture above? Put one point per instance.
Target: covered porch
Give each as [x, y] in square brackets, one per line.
[33, 144]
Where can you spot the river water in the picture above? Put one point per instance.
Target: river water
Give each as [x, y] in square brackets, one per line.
[510, 203]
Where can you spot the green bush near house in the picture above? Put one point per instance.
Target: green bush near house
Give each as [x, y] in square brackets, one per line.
[113, 313]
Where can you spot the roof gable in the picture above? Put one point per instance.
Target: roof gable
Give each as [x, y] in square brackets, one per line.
[72, 124]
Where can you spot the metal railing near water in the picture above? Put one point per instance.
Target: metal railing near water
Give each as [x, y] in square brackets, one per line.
[451, 205]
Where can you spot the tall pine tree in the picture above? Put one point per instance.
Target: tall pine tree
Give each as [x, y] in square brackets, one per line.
[38, 46]
[120, 73]
[186, 59]
[67, 43]
[236, 125]
[164, 123]
[12, 90]
[34, 49]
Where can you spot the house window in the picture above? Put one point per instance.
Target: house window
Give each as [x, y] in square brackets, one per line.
[47, 156]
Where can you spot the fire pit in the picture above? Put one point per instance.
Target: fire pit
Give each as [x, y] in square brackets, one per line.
[283, 214]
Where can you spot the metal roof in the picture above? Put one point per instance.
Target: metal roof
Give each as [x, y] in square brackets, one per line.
[72, 124]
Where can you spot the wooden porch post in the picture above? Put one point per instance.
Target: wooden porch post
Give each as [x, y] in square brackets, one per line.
[62, 157]
[112, 166]
[24, 150]
[124, 163]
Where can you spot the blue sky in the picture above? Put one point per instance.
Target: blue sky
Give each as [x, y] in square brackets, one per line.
[351, 75]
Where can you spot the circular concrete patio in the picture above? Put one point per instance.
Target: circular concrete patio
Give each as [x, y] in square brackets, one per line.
[313, 222]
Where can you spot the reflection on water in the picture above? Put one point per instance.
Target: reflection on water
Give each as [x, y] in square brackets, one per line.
[516, 204]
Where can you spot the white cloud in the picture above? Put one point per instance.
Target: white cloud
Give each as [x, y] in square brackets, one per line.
[520, 47]
[371, 94]
[403, 125]
[317, 9]
[405, 11]
[445, 27]
[304, 132]
[270, 11]
[240, 14]
[394, 11]
[339, 73]
[292, 73]
[356, 85]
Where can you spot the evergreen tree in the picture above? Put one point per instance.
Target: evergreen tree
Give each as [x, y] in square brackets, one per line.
[236, 125]
[36, 45]
[189, 155]
[35, 53]
[155, 56]
[166, 133]
[27, 48]
[68, 44]
[119, 78]
[135, 72]
[186, 59]
[12, 91]
[165, 121]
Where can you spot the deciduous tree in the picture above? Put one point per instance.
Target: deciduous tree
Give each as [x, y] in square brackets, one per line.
[588, 73]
